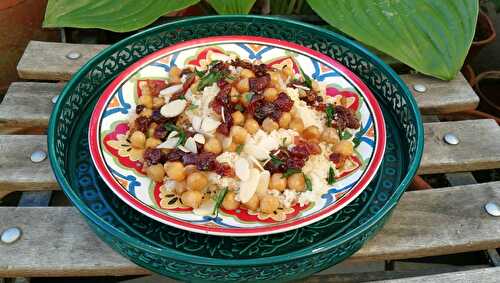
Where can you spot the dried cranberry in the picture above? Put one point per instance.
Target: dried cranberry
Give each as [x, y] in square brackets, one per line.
[283, 102]
[189, 158]
[222, 83]
[345, 118]
[139, 108]
[152, 156]
[188, 82]
[263, 111]
[142, 123]
[222, 99]
[160, 132]
[224, 170]
[174, 155]
[300, 151]
[205, 161]
[259, 84]
[255, 102]
[260, 70]
[156, 86]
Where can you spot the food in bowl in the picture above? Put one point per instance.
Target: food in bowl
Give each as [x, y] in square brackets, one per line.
[241, 134]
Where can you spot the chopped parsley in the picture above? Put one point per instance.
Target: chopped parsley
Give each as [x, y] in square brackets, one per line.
[239, 148]
[239, 107]
[199, 73]
[182, 134]
[345, 135]
[290, 172]
[309, 186]
[218, 200]
[330, 114]
[209, 79]
[276, 161]
[331, 176]
[229, 77]
[248, 96]
[192, 106]
[213, 63]
[307, 79]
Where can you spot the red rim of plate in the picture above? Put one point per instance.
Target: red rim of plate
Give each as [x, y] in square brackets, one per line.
[102, 168]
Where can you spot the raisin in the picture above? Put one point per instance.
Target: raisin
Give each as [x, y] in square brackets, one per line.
[265, 110]
[174, 155]
[157, 117]
[160, 132]
[152, 156]
[295, 162]
[283, 102]
[345, 118]
[139, 109]
[258, 84]
[189, 158]
[205, 161]
[142, 123]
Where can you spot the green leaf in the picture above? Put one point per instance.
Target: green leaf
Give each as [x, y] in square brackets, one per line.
[307, 79]
[290, 171]
[309, 186]
[431, 36]
[224, 7]
[356, 141]
[331, 176]
[239, 148]
[345, 135]
[209, 79]
[118, 16]
[219, 198]
[199, 73]
[330, 114]
[276, 161]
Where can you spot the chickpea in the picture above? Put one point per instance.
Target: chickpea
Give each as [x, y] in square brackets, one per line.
[239, 134]
[251, 126]
[155, 172]
[175, 75]
[285, 119]
[269, 125]
[311, 133]
[270, 94]
[330, 135]
[243, 86]
[146, 100]
[238, 118]
[269, 204]
[213, 145]
[344, 147]
[297, 125]
[190, 169]
[191, 198]
[197, 181]
[232, 147]
[230, 201]
[235, 95]
[253, 203]
[151, 129]
[288, 71]
[152, 142]
[147, 112]
[158, 101]
[275, 77]
[180, 187]
[246, 73]
[175, 171]
[277, 182]
[297, 182]
[138, 139]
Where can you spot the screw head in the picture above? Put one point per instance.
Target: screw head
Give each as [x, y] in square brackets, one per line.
[451, 139]
[55, 98]
[11, 235]
[38, 156]
[73, 55]
[419, 88]
[492, 208]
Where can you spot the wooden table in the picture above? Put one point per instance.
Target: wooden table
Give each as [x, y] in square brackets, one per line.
[57, 242]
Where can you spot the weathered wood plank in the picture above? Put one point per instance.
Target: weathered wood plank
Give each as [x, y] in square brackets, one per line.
[442, 97]
[482, 275]
[69, 248]
[479, 146]
[27, 106]
[17, 172]
[438, 156]
[47, 60]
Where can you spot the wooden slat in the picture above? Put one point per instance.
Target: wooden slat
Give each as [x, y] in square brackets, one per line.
[47, 61]
[479, 147]
[17, 172]
[421, 225]
[27, 106]
[438, 156]
[483, 275]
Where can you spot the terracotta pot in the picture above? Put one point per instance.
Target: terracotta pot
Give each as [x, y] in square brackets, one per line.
[20, 22]
[485, 34]
[487, 86]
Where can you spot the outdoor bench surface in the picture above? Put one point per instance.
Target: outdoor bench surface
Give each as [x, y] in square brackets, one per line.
[57, 242]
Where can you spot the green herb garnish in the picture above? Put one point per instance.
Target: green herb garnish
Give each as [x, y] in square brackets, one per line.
[213, 63]
[192, 106]
[307, 79]
[290, 172]
[345, 135]
[331, 176]
[283, 142]
[239, 107]
[330, 113]
[239, 148]
[199, 73]
[356, 141]
[230, 77]
[182, 134]
[248, 96]
[181, 97]
[170, 127]
[209, 79]
[218, 200]
[276, 161]
[309, 186]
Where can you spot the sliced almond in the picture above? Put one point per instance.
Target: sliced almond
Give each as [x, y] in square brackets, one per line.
[183, 148]
[199, 138]
[173, 108]
[255, 151]
[248, 187]
[206, 208]
[263, 185]
[191, 145]
[301, 87]
[256, 162]
[172, 134]
[169, 143]
[169, 91]
[209, 125]
[196, 122]
[242, 168]
[222, 114]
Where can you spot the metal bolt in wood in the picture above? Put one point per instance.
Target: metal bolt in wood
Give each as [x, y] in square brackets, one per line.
[451, 139]
[55, 98]
[492, 209]
[73, 55]
[38, 156]
[420, 88]
[11, 235]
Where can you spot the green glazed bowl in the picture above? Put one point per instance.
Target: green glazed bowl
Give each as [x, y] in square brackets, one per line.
[195, 257]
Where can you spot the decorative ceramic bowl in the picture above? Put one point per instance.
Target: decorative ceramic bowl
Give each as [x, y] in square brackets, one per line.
[121, 169]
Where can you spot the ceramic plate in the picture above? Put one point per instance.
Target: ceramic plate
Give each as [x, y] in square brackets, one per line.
[120, 168]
